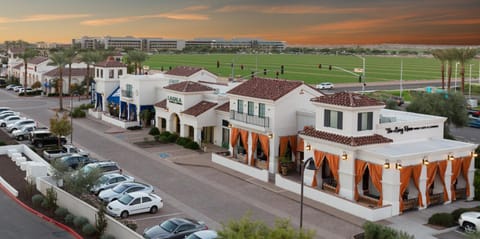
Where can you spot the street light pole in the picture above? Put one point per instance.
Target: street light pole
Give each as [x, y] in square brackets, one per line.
[311, 166]
[71, 118]
[456, 68]
[401, 77]
[470, 84]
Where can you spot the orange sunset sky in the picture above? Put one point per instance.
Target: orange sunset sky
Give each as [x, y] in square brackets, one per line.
[300, 22]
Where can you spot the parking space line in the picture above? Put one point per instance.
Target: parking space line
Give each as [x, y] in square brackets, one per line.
[160, 216]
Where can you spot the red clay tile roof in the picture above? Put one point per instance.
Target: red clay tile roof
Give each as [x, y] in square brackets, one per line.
[225, 107]
[75, 72]
[199, 108]
[111, 63]
[188, 86]
[262, 88]
[17, 50]
[37, 60]
[162, 104]
[348, 99]
[18, 66]
[183, 71]
[351, 141]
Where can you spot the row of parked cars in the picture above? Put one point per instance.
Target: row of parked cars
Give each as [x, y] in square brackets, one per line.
[121, 193]
[18, 88]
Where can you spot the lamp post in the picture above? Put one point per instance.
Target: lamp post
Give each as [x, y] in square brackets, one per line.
[363, 72]
[71, 115]
[310, 166]
[470, 84]
[401, 77]
[456, 68]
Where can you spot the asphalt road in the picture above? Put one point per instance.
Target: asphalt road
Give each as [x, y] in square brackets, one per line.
[16, 222]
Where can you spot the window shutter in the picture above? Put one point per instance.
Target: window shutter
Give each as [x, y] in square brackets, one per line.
[359, 122]
[370, 120]
[327, 118]
[340, 120]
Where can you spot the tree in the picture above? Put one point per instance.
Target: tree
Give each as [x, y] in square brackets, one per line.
[101, 221]
[70, 54]
[450, 105]
[450, 56]
[59, 59]
[26, 55]
[377, 231]
[60, 126]
[463, 55]
[137, 58]
[440, 55]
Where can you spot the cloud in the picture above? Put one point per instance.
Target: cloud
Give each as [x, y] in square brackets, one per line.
[106, 21]
[196, 8]
[292, 9]
[43, 18]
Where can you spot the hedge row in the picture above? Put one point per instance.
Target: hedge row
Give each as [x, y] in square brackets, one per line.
[167, 137]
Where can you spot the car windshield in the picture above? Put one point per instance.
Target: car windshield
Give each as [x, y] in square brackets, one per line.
[125, 199]
[102, 179]
[120, 188]
[168, 226]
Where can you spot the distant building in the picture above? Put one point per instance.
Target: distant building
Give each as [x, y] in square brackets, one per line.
[239, 43]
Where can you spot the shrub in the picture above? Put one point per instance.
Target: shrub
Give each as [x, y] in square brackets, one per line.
[89, 229]
[86, 106]
[163, 139]
[192, 145]
[172, 138]
[442, 219]
[29, 188]
[134, 128]
[50, 201]
[37, 200]
[107, 237]
[2, 143]
[374, 231]
[61, 212]
[165, 133]
[78, 113]
[183, 141]
[101, 222]
[457, 212]
[130, 224]
[154, 131]
[156, 137]
[476, 183]
[69, 219]
[78, 222]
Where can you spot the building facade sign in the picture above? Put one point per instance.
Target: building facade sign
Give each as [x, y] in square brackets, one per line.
[175, 100]
[407, 128]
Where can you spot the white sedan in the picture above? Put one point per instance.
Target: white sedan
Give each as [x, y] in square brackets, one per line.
[469, 221]
[134, 203]
[325, 86]
[205, 234]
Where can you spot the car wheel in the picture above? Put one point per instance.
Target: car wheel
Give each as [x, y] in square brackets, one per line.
[153, 210]
[20, 138]
[98, 192]
[469, 227]
[39, 145]
[124, 214]
[3, 125]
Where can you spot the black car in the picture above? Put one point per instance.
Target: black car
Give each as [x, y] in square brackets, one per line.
[174, 228]
[40, 138]
[75, 161]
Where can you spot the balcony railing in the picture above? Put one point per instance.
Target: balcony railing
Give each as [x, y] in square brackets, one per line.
[250, 119]
[126, 93]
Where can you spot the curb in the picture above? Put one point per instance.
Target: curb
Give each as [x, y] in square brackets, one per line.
[42, 216]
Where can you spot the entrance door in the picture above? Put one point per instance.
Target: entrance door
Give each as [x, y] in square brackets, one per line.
[207, 135]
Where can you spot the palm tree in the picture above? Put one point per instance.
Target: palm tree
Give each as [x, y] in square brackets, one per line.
[450, 57]
[26, 55]
[463, 55]
[137, 58]
[59, 59]
[440, 55]
[90, 58]
[70, 54]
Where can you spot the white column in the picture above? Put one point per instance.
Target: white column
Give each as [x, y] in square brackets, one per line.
[391, 189]
[197, 135]
[448, 181]
[423, 186]
[273, 164]
[182, 129]
[250, 147]
[471, 176]
[346, 176]
[308, 174]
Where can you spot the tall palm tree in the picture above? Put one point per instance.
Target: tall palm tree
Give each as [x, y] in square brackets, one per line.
[450, 57]
[59, 59]
[440, 55]
[137, 58]
[463, 55]
[70, 54]
[26, 55]
[90, 58]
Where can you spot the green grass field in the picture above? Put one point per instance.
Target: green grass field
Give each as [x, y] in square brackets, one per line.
[305, 67]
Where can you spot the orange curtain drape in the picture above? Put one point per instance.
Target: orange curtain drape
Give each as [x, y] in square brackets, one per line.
[417, 171]
[334, 164]
[456, 168]
[431, 172]
[283, 145]
[300, 145]
[318, 156]
[254, 147]
[234, 136]
[442, 168]
[359, 170]
[405, 174]
[376, 176]
[293, 143]
[264, 142]
[465, 166]
[244, 137]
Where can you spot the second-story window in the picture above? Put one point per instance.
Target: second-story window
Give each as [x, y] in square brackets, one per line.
[250, 108]
[120, 73]
[129, 90]
[365, 121]
[261, 110]
[333, 119]
[240, 106]
[110, 74]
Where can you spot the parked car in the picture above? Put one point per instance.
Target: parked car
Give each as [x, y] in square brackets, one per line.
[205, 234]
[9, 119]
[174, 228]
[13, 126]
[469, 221]
[76, 160]
[105, 167]
[474, 121]
[17, 88]
[116, 192]
[23, 132]
[325, 86]
[474, 113]
[40, 138]
[63, 151]
[2, 109]
[27, 90]
[134, 203]
[10, 87]
[7, 113]
[108, 181]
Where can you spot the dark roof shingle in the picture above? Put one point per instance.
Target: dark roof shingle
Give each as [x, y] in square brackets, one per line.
[188, 86]
[347, 140]
[224, 107]
[162, 104]
[110, 63]
[37, 60]
[183, 71]
[348, 99]
[263, 88]
[75, 72]
[199, 108]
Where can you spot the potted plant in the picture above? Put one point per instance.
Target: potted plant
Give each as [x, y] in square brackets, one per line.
[284, 164]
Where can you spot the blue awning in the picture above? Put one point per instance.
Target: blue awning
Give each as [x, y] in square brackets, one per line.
[114, 97]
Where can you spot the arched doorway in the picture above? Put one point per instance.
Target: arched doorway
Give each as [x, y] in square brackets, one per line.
[175, 122]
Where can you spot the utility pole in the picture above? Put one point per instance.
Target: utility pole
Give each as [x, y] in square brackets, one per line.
[401, 77]
[470, 84]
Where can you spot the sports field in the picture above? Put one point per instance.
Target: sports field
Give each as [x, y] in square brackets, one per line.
[306, 67]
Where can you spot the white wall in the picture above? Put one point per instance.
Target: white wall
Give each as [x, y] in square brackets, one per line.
[257, 173]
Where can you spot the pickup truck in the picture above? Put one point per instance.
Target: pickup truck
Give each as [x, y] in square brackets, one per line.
[64, 151]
